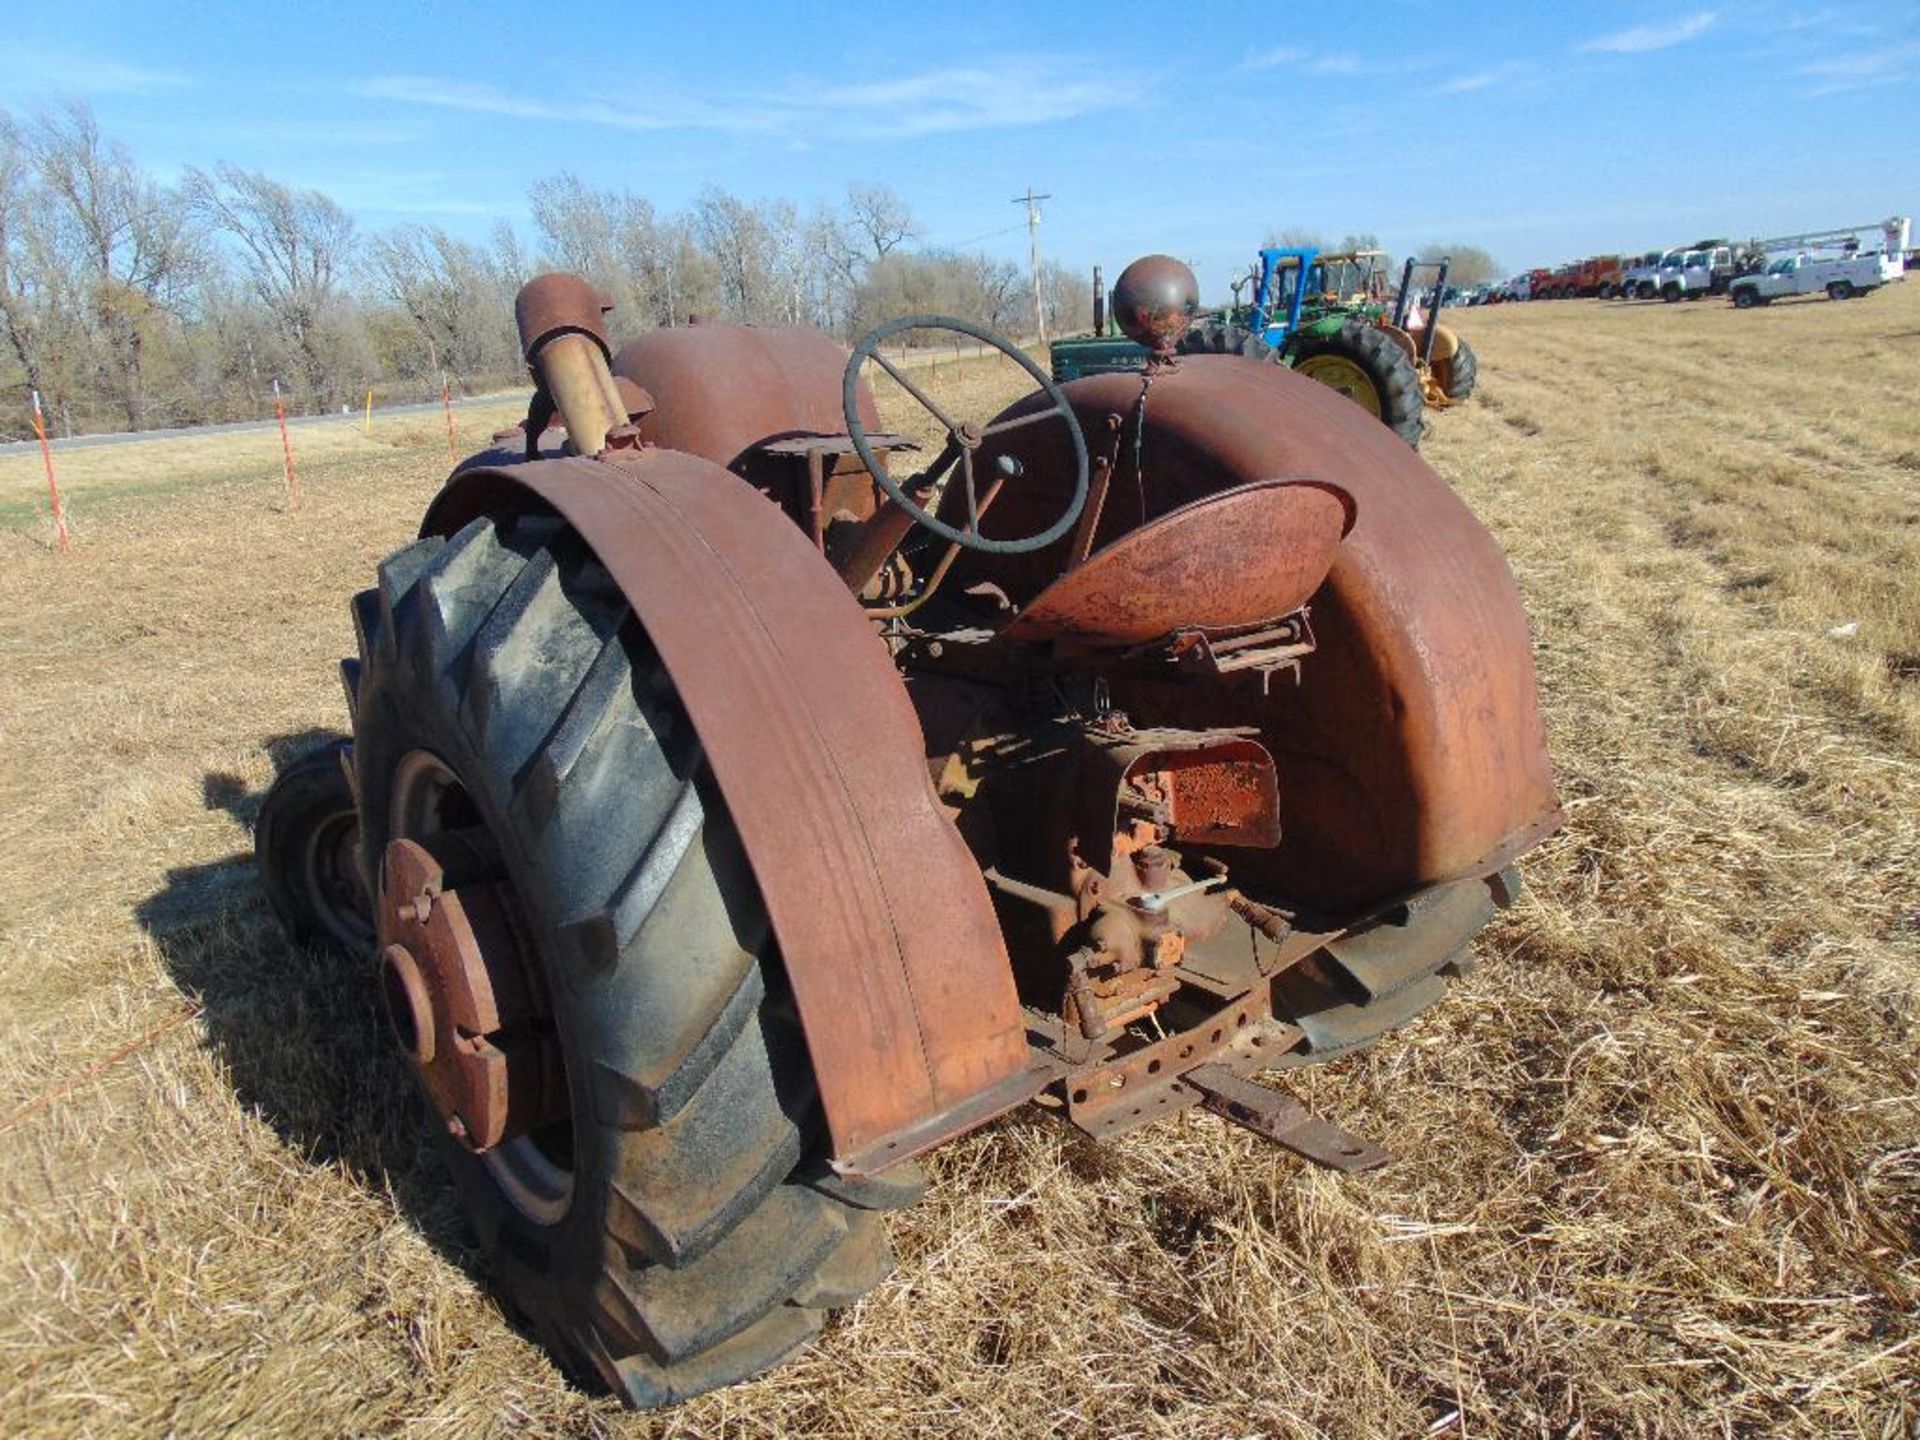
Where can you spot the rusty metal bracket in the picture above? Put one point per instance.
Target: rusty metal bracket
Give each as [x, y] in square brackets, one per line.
[1125, 1092]
[1285, 1121]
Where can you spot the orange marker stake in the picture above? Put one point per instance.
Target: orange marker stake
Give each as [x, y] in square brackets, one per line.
[286, 448]
[53, 486]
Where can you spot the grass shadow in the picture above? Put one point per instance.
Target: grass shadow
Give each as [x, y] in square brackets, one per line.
[300, 1033]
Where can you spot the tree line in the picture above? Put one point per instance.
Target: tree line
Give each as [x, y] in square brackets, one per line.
[1469, 265]
[130, 303]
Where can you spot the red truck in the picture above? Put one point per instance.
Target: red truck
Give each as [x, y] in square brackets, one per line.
[1556, 284]
[1598, 275]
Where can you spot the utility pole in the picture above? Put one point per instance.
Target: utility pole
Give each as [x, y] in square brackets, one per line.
[1032, 202]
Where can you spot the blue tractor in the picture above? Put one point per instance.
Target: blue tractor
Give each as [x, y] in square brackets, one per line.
[1295, 318]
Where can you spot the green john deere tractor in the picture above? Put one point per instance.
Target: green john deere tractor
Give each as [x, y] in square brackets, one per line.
[1336, 328]
[1354, 283]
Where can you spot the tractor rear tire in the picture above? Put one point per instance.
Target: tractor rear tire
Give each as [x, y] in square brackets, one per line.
[675, 1230]
[1459, 372]
[306, 851]
[1214, 338]
[1362, 362]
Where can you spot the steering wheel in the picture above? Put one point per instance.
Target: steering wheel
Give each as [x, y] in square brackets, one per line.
[963, 439]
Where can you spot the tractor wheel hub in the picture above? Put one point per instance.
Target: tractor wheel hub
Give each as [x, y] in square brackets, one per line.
[462, 1000]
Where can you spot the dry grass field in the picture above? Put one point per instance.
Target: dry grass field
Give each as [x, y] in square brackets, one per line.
[1659, 1163]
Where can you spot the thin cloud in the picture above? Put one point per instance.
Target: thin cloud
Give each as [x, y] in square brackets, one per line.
[1496, 77]
[1861, 69]
[1274, 59]
[1012, 94]
[36, 70]
[1643, 38]
[478, 98]
[404, 192]
[1335, 63]
[1008, 96]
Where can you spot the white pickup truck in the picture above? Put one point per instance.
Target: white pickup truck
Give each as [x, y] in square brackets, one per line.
[1641, 280]
[1698, 273]
[1842, 277]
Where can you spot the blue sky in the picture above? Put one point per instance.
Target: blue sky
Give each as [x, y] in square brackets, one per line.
[1540, 133]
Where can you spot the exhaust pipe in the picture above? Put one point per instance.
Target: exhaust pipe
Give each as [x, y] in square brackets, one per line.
[1099, 303]
[563, 334]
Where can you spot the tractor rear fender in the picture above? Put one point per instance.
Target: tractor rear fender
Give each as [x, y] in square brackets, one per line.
[1446, 343]
[1402, 339]
[883, 922]
[1412, 751]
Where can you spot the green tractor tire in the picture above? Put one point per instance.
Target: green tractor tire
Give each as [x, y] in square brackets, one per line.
[1362, 362]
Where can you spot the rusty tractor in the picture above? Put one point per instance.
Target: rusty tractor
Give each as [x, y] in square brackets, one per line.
[737, 808]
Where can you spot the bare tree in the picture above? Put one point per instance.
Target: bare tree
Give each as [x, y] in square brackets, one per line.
[452, 293]
[611, 238]
[738, 240]
[881, 218]
[1068, 296]
[24, 278]
[295, 247]
[127, 243]
[1471, 265]
[1296, 237]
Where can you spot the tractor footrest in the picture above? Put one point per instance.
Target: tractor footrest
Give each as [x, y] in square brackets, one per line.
[1284, 1120]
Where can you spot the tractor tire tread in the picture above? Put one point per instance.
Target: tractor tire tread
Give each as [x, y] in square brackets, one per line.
[858, 1263]
[772, 1256]
[1463, 373]
[696, 1253]
[1393, 375]
[645, 1384]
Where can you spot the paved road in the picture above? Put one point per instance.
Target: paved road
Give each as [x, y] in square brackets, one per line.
[239, 427]
[910, 360]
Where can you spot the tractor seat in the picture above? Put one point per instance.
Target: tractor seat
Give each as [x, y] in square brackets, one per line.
[1236, 559]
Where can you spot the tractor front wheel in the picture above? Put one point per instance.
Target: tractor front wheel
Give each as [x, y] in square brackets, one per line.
[1362, 362]
[577, 960]
[1459, 372]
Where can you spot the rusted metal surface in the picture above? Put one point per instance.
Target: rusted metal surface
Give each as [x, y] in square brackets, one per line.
[1285, 1121]
[1225, 562]
[723, 392]
[1194, 787]
[885, 931]
[1126, 1091]
[1412, 749]
[563, 335]
[837, 484]
[557, 304]
[463, 1004]
[1154, 301]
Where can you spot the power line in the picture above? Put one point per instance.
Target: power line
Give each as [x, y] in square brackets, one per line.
[976, 239]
